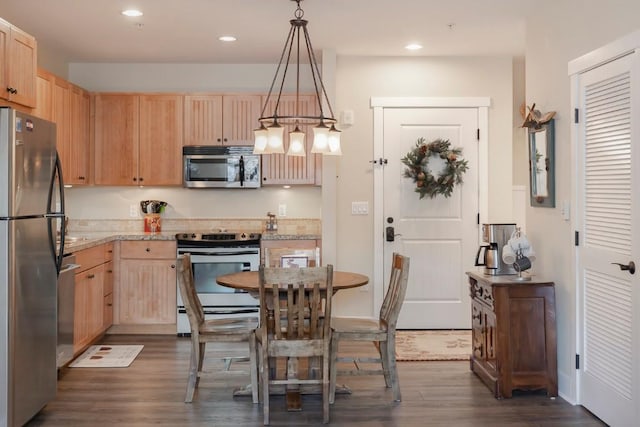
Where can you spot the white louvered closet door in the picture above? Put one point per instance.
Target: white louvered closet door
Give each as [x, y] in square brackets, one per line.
[608, 220]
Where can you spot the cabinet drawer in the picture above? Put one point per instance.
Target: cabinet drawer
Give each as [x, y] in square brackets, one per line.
[482, 292]
[108, 251]
[145, 249]
[89, 258]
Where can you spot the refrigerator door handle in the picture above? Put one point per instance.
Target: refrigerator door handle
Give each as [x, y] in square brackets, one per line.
[56, 176]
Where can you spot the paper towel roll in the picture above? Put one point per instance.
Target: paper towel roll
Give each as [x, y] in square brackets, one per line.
[508, 256]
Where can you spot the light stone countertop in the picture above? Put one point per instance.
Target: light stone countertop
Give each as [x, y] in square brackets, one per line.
[84, 240]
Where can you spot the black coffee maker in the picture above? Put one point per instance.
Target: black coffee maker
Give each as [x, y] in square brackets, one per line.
[489, 255]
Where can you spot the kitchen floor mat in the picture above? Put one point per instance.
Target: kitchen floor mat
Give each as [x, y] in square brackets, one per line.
[107, 356]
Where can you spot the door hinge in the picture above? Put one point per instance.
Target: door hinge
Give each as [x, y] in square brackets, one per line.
[576, 116]
[577, 239]
[577, 361]
[478, 134]
[478, 219]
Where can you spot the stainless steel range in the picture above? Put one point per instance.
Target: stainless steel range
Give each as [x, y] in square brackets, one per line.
[212, 255]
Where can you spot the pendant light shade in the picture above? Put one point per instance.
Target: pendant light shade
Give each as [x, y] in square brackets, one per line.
[320, 139]
[296, 46]
[333, 141]
[296, 143]
[275, 144]
[260, 139]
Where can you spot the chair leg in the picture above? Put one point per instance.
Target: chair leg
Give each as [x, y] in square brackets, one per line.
[333, 361]
[254, 367]
[393, 368]
[384, 356]
[192, 381]
[203, 347]
[325, 386]
[264, 376]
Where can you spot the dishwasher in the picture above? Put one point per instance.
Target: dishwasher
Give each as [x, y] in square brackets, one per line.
[66, 297]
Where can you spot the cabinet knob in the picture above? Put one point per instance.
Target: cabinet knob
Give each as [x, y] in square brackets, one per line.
[109, 271]
[173, 266]
[148, 249]
[135, 179]
[91, 276]
[141, 179]
[82, 178]
[12, 90]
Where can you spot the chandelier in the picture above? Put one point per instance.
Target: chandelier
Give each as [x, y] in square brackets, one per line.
[269, 137]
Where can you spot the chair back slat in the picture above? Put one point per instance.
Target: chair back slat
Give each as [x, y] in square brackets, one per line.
[396, 290]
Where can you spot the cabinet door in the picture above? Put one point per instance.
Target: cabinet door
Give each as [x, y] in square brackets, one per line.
[76, 159]
[282, 169]
[116, 139]
[478, 332]
[5, 30]
[489, 319]
[240, 114]
[107, 290]
[88, 307]
[60, 116]
[147, 291]
[160, 157]
[44, 95]
[203, 120]
[22, 67]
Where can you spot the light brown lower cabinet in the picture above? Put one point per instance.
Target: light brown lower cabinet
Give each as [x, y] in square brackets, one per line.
[92, 280]
[145, 289]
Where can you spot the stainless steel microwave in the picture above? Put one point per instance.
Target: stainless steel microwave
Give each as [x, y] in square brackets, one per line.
[220, 167]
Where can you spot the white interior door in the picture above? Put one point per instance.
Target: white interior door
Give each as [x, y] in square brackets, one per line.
[607, 218]
[440, 235]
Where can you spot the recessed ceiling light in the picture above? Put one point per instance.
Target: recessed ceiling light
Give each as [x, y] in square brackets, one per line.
[132, 12]
[227, 38]
[413, 46]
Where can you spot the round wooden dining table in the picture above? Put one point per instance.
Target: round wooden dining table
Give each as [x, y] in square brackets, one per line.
[249, 281]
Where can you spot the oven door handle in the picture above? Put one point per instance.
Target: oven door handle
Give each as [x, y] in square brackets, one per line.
[231, 311]
[186, 251]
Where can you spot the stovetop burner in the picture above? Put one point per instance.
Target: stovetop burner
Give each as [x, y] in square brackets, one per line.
[218, 239]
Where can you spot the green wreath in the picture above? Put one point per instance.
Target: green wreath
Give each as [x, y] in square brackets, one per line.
[417, 161]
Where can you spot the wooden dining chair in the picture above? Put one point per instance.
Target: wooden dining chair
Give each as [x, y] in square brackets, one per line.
[203, 331]
[291, 257]
[381, 331]
[294, 303]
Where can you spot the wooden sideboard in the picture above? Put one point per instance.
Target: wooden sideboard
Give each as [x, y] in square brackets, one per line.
[513, 334]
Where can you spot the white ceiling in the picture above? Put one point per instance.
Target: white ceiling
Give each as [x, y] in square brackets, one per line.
[188, 30]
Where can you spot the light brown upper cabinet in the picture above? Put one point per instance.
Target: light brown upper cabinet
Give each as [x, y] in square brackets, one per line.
[71, 114]
[291, 170]
[44, 95]
[138, 139]
[75, 156]
[18, 65]
[220, 119]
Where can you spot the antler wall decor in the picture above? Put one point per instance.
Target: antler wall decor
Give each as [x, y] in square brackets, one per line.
[533, 119]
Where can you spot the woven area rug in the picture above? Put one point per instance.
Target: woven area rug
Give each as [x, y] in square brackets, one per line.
[433, 345]
[107, 356]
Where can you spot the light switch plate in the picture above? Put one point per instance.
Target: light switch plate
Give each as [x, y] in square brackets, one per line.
[282, 209]
[359, 208]
[133, 211]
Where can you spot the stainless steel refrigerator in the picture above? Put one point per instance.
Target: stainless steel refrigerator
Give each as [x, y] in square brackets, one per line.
[31, 204]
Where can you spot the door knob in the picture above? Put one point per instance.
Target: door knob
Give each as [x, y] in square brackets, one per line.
[631, 267]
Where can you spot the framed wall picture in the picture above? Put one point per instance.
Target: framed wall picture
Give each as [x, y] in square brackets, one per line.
[294, 261]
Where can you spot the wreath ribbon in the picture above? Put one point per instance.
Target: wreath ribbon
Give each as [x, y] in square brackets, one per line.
[417, 162]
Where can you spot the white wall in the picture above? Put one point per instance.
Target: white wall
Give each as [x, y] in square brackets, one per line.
[360, 78]
[564, 31]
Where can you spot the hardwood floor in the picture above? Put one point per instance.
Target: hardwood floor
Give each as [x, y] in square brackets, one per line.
[151, 392]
